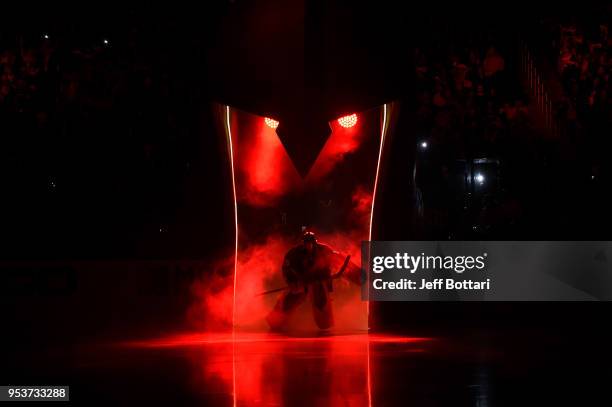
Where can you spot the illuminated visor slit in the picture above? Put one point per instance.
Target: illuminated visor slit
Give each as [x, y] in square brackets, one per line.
[228, 131]
[231, 151]
[380, 150]
[242, 156]
[230, 139]
[383, 132]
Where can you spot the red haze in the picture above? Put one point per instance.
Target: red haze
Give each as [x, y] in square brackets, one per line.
[341, 143]
[264, 171]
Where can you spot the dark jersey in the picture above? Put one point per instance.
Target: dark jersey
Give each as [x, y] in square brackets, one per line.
[301, 266]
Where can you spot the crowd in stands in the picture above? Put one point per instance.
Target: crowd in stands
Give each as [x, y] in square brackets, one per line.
[470, 106]
[44, 77]
[95, 129]
[473, 103]
[580, 47]
[467, 90]
[585, 65]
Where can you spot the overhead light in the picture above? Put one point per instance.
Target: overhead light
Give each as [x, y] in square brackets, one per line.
[348, 121]
[479, 178]
[271, 123]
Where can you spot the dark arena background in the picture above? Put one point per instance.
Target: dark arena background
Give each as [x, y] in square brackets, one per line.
[159, 161]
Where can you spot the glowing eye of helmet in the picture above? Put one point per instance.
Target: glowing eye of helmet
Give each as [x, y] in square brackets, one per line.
[348, 121]
[271, 123]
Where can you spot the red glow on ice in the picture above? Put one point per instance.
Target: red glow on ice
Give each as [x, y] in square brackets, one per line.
[272, 369]
[203, 339]
[348, 121]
